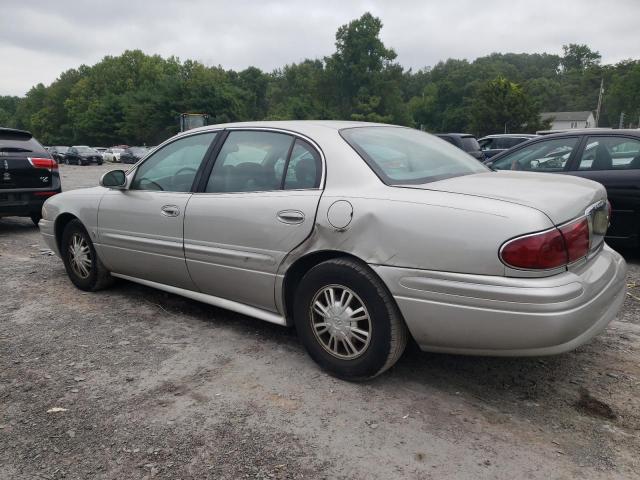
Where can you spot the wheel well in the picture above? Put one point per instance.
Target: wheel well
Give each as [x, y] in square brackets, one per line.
[298, 270]
[61, 223]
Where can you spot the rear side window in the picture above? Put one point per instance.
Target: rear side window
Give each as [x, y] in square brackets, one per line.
[610, 153]
[18, 142]
[406, 156]
[470, 144]
[545, 156]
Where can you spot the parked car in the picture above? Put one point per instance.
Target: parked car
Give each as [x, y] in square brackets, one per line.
[464, 142]
[493, 144]
[58, 152]
[133, 154]
[112, 154]
[359, 234]
[28, 175]
[100, 150]
[610, 157]
[82, 155]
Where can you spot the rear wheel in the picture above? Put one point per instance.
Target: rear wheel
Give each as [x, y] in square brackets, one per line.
[348, 321]
[81, 261]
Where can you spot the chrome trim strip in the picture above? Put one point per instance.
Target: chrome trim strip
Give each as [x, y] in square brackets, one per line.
[211, 300]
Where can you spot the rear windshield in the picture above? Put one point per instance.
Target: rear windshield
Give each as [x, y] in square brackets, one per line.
[470, 144]
[18, 142]
[406, 156]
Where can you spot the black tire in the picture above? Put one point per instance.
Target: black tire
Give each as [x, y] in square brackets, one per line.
[98, 276]
[35, 218]
[388, 333]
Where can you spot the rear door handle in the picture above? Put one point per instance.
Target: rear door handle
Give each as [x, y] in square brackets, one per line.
[290, 216]
[170, 210]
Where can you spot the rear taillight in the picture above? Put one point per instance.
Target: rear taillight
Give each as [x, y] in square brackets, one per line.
[576, 238]
[550, 249]
[44, 194]
[538, 251]
[47, 163]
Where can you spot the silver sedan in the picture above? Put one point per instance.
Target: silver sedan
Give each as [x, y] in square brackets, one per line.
[359, 234]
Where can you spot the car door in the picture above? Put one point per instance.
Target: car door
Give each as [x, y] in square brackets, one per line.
[258, 203]
[614, 161]
[140, 228]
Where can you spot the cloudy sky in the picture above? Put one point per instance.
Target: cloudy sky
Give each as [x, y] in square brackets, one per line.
[41, 38]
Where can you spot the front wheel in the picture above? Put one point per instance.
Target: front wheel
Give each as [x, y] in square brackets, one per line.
[81, 262]
[348, 321]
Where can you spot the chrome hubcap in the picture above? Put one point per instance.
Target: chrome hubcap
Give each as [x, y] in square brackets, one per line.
[80, 256]
[340, 321]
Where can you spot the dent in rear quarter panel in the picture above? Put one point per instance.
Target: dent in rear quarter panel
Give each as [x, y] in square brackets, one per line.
[424, 229]
[419, 229]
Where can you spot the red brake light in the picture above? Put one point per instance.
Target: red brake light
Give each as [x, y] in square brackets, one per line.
[550, 249]
[539, 251]
[576, 238]
[47, 163]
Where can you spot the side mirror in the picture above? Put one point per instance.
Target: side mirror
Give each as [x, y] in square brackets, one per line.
[114, 179]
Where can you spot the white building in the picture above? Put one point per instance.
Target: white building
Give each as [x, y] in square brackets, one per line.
[569, 120]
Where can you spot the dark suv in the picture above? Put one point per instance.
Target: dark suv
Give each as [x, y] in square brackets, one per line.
[28, 175]
[464, 141]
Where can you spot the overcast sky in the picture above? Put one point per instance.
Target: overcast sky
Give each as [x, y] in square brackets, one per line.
[41, 39]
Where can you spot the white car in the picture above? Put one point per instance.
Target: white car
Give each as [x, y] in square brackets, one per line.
[359, 234]
[112, 155]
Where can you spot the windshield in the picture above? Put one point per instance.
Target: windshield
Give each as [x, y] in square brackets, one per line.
[406, 156]
[61, 149]
[138, 150]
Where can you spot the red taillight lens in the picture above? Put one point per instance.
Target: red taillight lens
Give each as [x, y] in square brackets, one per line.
[47, 163]
[44, 194]
[539, 251]
[576, 238]
[551, 249]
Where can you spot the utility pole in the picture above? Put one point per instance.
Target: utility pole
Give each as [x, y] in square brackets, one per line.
[599, 101]
[621, 123]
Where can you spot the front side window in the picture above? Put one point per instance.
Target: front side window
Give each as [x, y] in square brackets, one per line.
[406, 156]
[610, 153]
[545, 156]
[250, 161]
[173, 168]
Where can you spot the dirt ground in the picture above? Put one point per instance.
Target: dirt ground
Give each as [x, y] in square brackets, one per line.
[158, 386]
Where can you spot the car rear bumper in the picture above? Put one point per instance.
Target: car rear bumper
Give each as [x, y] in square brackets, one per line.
[489, 315]
[21, 204]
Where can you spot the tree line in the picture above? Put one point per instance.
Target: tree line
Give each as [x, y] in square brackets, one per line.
[136, 98]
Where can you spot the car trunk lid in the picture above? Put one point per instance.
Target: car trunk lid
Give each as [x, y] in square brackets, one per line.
[560, 197]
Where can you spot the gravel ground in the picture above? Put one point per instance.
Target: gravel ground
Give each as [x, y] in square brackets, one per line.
[157, 386]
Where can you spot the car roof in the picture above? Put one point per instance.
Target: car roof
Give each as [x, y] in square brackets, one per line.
[301, 126]
[455, 134]
[593, 131]
[511, 135]
[15, 131]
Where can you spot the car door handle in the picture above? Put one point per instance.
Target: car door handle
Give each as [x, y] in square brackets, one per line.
[170, 210]
[290, 216]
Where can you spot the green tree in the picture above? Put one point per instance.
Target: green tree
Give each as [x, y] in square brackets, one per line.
[503, 106]
[579, 57]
